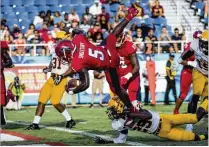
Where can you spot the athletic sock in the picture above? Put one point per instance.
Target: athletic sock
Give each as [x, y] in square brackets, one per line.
[36, 119]
[202, 137]
[189, 127]
[66, 115]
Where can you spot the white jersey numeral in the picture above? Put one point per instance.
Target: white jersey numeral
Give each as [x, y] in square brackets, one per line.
[96, 54]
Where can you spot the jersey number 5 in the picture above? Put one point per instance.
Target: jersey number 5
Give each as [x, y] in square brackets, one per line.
[96, 54]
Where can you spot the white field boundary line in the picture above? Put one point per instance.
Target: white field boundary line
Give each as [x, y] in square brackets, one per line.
[83, 133]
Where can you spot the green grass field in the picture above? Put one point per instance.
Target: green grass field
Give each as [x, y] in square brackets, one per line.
[92, 120]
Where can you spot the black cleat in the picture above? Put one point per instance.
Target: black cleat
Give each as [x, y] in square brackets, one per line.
[33, 127]
[101, 105]
[70, 123]
[91, 106]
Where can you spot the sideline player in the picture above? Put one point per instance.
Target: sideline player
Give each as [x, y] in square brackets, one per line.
[6, 62]
[186, 75]
[53, 92]
[86, 56]
[161, 125]
[199, 48]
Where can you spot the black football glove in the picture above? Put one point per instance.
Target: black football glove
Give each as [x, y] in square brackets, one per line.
[46, 70]
[58, 79]
[100, 140]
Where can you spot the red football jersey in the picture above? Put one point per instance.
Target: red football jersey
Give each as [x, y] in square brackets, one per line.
[124, 51]
[186, 48]
[88, 55]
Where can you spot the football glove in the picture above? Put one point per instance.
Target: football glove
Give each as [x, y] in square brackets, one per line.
[100, 140]
[125, 78]
[132, 12]
[58, 79]
[46, 70]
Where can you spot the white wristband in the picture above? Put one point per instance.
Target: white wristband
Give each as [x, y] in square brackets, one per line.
[180, 60]
[128, 75]
[192, 63]
[71, 93]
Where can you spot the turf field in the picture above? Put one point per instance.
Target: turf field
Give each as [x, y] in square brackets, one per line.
[90, 121]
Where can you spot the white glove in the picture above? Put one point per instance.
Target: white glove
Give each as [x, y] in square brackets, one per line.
[128, 75]
[192, 63]
[57, 79]
[70, 93]
[46, 70]
[180, 60]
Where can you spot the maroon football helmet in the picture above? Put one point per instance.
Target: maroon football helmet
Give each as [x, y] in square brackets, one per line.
[121, 40]
[197, 34]
[64, 49]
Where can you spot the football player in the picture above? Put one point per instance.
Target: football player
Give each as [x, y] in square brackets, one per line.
[186, 75]
[6, 62]
[129, 66]
[53, 92]
[198, 48]
[162, 125]
[85, 56]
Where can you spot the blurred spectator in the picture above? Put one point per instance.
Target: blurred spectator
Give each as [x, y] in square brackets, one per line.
[55, 29]
[44, 33]
[30, 32]
[114, 24]
[164, 36]
[129, 35]
[104, 23]
[8, 37]
[37, 40]
[16, 31]
[57, 17]
[75, 23]
[133, 27]
[66, 20]
[49, 18]
[90, 39]
[98, 37]
[114, 2]
[84, 25]
[157, 10]
[105, 14]
[89, 34]
[2, 31]
[95, 9]
[149, 47]
[121, 12]
[138, 35]
[178, 37]
[170, 78]
[39, 19]
[145, 29]
[88, 16]
[206, 9]
[20, 45]
[61, 26]
[140, 9]
[73, 16]
[150, 36]
[97, 84]
[96, 28]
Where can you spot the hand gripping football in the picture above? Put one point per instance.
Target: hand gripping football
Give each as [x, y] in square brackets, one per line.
[72, 84]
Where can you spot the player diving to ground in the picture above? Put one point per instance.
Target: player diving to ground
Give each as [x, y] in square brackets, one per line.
[162, 125]
[199, 48]
[85, 56]
[53, 92]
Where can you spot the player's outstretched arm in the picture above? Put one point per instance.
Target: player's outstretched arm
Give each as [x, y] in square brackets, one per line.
[59, 78]
[8, 61]
[84, 81]
[185, 56]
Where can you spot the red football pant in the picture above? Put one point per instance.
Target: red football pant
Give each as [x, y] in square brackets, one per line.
[112, 52]
[185, 82]
[133, 89]
[3, 90]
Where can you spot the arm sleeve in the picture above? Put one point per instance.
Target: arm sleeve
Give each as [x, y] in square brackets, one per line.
[84, 81]
[168, 65]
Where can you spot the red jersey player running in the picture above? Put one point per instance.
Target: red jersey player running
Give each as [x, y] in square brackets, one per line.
[86, 56]
[186, 76]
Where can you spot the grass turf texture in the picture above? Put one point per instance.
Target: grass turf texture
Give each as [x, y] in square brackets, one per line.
[92, 120]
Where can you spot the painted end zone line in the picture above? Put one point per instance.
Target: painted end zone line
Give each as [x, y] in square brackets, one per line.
[83, 133]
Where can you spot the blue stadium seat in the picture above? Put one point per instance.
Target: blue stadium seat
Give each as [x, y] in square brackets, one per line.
[127, 3]
[52, 2]
[66, 9]
[42, 8]
[31, 9]
[16, 2]
[79, 8]
[144, 1]
[55, 8]
[19, 9]
[10, 16]
[23, 15]
[114, 7]
[28, 2]
[32, 15]
[6, 9]
[5, 3]
[11, 23]
[107, 7]
[149, 21]
[64, 2]
[39, 2]
[136, 20]
[160, 21]
[88, 2]
[145, 7]
[75, 2]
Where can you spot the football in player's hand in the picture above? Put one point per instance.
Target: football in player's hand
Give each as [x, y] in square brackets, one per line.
[72, 84]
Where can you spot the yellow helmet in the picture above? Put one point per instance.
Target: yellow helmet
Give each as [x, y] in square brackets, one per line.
[61, 35]
[115, 108]
[203, 42]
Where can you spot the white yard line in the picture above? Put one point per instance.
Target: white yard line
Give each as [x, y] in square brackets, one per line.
[83, 133]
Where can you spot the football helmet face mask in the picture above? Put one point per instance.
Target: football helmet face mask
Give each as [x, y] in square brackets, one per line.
[65, 49]
[115, 109]
[121, 40]
[203, 42]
